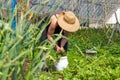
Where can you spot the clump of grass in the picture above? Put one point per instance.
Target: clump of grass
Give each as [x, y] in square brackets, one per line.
[20, 50]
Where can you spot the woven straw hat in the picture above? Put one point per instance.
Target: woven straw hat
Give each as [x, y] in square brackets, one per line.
[68, 21]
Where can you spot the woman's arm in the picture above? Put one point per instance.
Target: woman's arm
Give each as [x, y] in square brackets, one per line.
[64, 41]
[51, 31]
[51, 28]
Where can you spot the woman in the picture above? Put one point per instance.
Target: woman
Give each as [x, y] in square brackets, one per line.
[65, 22]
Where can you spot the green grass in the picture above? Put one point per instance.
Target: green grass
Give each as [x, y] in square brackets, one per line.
[20, 50]
[23, 46]
[16, 51]
[103, 66]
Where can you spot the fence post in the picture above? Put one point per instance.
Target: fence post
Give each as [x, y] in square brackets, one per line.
[13, 4]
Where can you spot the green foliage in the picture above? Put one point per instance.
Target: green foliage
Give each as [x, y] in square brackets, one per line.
[20, 53]
[103, 66]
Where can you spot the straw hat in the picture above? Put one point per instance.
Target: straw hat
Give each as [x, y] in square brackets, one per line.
[68, 21]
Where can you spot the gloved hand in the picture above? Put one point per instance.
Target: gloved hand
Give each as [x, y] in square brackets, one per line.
[58, 49]
[62, 49]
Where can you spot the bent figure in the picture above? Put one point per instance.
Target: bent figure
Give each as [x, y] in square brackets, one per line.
[65, 21]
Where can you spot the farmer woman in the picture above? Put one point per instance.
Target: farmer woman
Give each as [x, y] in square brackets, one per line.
[64, 22]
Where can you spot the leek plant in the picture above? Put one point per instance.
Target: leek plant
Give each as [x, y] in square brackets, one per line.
[20, 50]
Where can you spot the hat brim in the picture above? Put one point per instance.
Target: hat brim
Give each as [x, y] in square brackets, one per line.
[66, 26]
